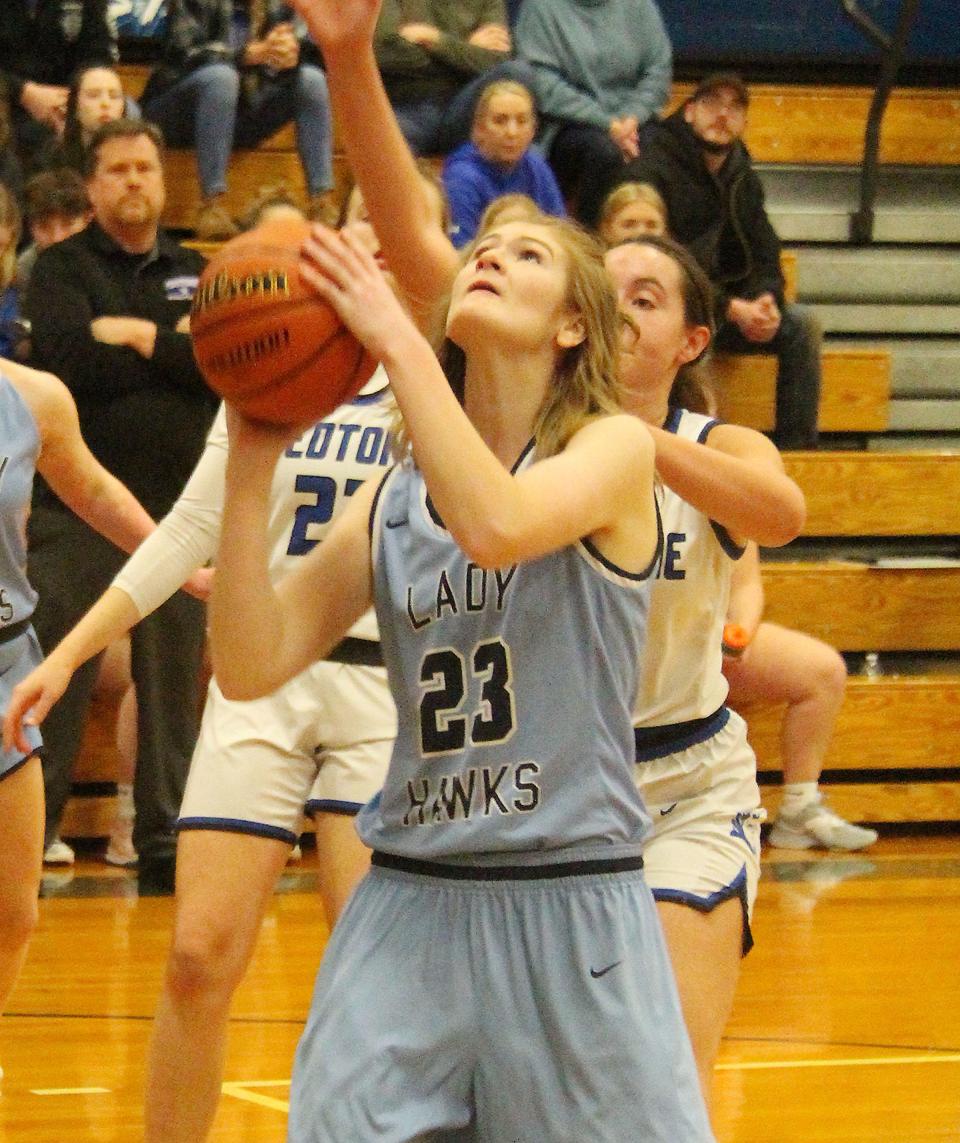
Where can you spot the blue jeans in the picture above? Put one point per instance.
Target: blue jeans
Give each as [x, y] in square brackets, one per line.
[435, 126]
[797, 348]
[204, 110]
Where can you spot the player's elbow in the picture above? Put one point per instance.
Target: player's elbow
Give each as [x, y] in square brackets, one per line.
[787, 522]
[238, 681]
[489, 544]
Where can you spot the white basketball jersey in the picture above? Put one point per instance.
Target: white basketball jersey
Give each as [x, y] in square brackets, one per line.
[311, 483]
[681, 676]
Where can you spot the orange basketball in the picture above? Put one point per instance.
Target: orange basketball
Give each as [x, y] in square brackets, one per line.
[264, 340]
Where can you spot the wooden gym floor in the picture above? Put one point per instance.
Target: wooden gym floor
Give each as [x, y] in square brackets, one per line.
[846, 1026]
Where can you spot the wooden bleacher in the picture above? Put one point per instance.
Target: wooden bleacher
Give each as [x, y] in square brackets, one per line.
[794, 123]
[854, 396]
[895, 757]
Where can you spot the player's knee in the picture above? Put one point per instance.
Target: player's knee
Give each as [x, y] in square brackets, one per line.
[831, 675]
[204, 964]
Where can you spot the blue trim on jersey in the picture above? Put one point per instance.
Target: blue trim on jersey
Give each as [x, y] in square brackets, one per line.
[670, 425]
[368, 398]
[651, 567]
[333, 806]
[652, 742]
[736, 888]
[707, 430]
[435, 515]
[237, 825]
[733, 550]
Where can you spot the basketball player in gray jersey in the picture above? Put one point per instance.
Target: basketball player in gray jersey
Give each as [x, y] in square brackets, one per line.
[507, 842]
[39, 432]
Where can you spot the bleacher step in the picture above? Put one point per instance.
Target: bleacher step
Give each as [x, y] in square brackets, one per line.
[875, 318]
[878, 274]
[813, 203]
[879, 493]
[919, 367]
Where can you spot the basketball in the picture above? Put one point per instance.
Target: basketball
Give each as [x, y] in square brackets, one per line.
[264, 340]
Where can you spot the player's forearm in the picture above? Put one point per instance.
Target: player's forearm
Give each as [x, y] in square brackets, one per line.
[110, 618]
[246, 618]
[752, 500]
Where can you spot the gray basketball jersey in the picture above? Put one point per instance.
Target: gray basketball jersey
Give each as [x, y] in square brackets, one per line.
[514, 690]
[19, 448]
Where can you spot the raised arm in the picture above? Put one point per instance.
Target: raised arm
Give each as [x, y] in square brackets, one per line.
[419, 254]
[737, 479]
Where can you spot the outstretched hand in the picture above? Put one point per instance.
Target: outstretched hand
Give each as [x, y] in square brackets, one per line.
[339, 23]
[346, 275]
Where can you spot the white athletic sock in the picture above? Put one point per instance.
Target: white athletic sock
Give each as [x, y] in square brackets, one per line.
[797, 796]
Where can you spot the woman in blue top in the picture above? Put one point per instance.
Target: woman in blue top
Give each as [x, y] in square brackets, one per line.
[498, 160]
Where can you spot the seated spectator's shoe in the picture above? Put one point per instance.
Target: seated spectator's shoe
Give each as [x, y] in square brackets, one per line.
[324, 207]
[295, 855]
[156, 876]
[58, 853]
[816, 825]
[213, 223]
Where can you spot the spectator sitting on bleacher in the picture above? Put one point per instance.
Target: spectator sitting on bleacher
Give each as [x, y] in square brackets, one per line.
[55, 206]
[630, 211]
[227, 80]
[696, 159]
[498, 160]
[769, 662]
[95, 97]
[602, 70]
[42, 44]
[436, 56]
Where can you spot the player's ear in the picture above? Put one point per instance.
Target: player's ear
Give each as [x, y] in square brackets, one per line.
[572, 332]
[697, 340]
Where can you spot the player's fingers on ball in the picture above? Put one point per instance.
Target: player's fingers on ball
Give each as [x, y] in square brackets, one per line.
[321, 283]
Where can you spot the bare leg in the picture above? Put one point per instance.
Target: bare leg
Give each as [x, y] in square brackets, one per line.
[810, 677]
[705, 950]
[21, 859]
[224, 884]
[343, 859]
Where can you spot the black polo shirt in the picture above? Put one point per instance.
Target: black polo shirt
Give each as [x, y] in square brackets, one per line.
[144, 420]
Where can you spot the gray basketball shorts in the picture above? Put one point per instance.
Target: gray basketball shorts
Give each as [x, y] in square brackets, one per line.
[502, 1011]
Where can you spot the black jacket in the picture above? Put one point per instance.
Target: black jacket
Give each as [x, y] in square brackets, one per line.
[144, 420]
[50, 46]
[720, 218]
